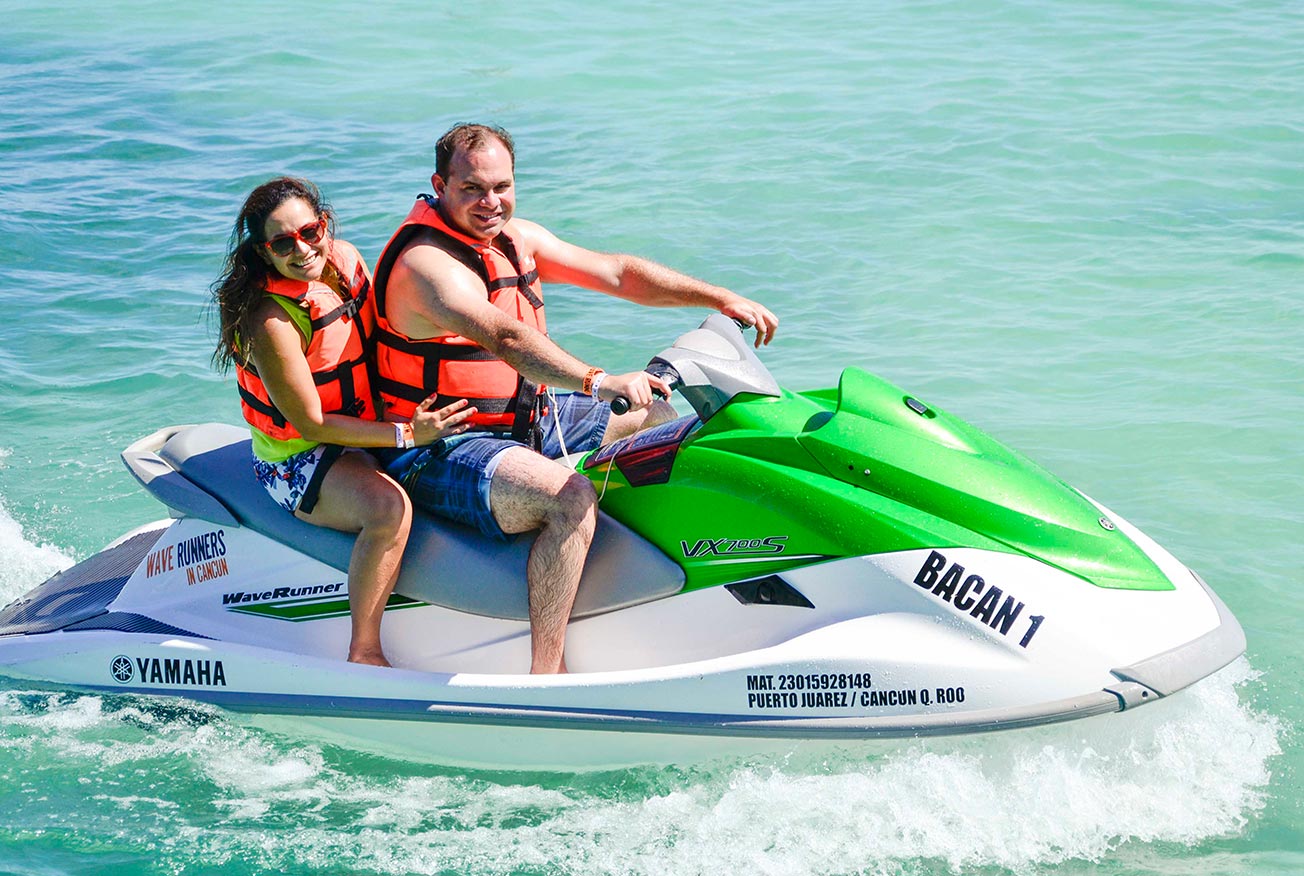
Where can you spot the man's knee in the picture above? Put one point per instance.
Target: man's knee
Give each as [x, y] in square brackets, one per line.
[571, 505]
[529, 491]
[577, 498]
[574, 509]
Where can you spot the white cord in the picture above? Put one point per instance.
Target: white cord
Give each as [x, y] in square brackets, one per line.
[552, 408]
[611, 463]
[561, 439]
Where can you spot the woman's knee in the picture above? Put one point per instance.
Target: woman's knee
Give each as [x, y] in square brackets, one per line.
[384, 505]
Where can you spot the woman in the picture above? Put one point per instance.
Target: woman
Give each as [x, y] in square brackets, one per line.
[295, 310]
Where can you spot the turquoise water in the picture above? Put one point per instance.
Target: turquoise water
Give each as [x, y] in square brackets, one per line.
[1079, 226]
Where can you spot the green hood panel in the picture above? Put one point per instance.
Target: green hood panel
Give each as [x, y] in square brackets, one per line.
[881, 440]
[773, 482]
[724, 516]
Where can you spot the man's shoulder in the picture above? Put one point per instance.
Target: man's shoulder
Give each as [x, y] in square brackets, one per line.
[527, 231]
[419, 235]
[520, 223]
[426, 248]
[424, 268]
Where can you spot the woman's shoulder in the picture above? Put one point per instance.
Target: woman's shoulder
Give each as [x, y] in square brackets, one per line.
[346, 255]
[275, 313]
[276, 308]
[350, 266]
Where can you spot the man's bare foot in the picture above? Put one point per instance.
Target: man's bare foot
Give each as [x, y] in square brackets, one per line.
[560, 670]
[369, 658]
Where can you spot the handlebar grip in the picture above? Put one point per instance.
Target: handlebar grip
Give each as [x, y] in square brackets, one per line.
[657, 368]
[620, 404]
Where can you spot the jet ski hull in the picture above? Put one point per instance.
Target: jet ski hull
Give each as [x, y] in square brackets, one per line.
[840, 566]
[698, 675]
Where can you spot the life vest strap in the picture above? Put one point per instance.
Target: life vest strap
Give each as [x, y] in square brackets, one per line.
[266, 408]
[349, 308]
[526, 414]
[447, 352]
[521, 281]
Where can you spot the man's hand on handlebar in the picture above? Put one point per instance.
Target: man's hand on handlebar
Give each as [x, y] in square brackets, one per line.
[750, 314]
[638, 387]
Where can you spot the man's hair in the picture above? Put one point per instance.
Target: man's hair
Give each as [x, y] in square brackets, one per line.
[470, 138]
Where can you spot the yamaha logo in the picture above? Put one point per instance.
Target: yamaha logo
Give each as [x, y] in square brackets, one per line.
[120, 669]
[1106, 523]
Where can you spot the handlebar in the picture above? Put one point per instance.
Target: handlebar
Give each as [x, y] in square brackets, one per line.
[657, 368]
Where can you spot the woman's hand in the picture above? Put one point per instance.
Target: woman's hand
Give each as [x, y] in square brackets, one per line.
[429, 426]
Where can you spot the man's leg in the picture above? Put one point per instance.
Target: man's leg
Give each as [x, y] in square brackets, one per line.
[529, 492]
[584, 423]
[626, 424]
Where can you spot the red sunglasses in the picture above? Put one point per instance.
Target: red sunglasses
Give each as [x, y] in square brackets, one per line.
[283, 244]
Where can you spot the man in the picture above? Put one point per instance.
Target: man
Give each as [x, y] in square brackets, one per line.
[461, 314]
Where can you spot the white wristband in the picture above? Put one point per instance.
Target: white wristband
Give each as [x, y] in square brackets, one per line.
[398, 435]
[597, 381]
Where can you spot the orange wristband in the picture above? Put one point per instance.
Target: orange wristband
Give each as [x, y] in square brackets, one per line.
[588, 380]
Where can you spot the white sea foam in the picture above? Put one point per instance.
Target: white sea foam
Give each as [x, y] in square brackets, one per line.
[24, 564]
[1184, 770]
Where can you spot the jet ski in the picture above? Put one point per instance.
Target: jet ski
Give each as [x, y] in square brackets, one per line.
[775, 569]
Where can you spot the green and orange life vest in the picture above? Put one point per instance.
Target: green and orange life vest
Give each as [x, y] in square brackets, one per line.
[337, 346]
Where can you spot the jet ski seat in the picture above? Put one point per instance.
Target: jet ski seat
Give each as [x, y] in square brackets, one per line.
[204, 471]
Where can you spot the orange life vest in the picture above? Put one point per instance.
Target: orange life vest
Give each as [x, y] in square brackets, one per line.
[337, 347]
[452, 366]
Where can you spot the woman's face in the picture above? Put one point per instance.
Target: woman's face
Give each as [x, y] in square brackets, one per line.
[299, 241]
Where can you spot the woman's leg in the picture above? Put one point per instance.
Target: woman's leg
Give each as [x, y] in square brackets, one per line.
[357, 497]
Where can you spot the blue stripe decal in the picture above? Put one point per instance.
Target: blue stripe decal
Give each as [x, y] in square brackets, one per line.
[500, 714]
[130, 622]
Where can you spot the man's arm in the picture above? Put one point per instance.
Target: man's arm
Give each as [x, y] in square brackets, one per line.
[639, 280]
[452, 298]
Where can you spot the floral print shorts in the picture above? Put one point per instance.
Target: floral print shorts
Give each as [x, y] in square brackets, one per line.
[294, 483]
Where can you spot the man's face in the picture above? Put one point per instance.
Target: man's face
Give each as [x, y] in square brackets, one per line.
[479, 195]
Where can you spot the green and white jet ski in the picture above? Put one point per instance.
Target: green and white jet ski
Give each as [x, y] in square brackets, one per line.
[776, 569]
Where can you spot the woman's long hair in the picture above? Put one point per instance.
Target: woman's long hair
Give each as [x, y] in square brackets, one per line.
[245, 273]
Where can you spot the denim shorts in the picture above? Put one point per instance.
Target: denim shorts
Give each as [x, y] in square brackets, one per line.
[451, 478]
